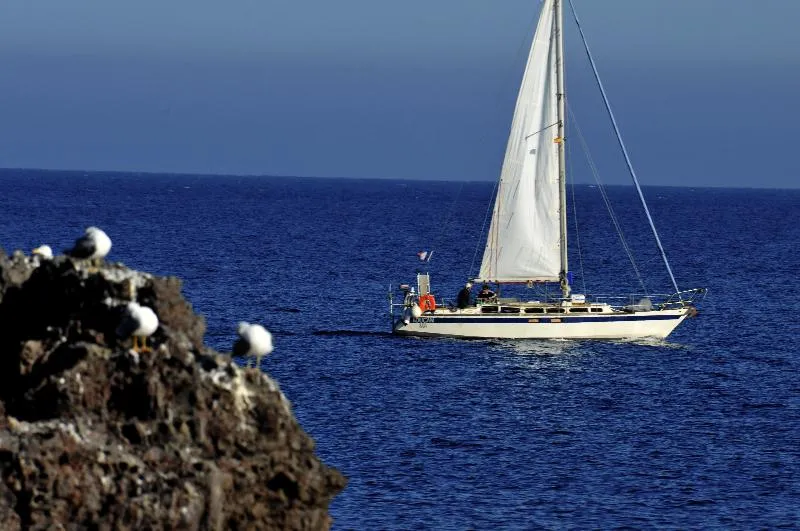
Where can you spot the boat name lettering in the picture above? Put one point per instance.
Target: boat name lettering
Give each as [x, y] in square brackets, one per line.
[424, 321]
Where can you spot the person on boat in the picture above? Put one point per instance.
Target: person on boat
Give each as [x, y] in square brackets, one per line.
[485, 293]
[463, 296]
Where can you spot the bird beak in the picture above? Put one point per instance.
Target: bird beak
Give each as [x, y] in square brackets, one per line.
[36, 250]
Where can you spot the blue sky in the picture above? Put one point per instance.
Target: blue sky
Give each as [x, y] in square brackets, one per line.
[705, 90]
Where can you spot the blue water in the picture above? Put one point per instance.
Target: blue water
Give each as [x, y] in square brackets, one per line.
[700, 431]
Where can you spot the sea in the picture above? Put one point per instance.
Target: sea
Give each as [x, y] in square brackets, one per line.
[700, 431]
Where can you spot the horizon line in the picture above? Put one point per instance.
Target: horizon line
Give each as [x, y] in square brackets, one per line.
[407, 179]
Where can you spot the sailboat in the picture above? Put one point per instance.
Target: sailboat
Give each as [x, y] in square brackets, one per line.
[527, 238]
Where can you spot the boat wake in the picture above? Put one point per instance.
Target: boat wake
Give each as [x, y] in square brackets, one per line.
[350, 333]
[650, 342]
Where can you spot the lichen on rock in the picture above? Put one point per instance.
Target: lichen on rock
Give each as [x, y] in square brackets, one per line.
[94, 434]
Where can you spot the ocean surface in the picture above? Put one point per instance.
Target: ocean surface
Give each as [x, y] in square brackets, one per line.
[699, 431]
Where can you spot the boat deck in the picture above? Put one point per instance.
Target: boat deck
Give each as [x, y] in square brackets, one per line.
[527, 308]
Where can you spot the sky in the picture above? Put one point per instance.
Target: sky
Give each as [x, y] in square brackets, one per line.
[705, 91]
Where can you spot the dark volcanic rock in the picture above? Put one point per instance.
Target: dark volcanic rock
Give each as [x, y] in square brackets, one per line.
[94, 435]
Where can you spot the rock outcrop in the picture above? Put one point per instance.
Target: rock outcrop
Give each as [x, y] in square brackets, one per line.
[96, 435]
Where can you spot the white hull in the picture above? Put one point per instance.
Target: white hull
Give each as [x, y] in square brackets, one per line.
[619, 325]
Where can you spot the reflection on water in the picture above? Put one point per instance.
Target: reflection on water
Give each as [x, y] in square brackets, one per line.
[569, 354]
[541, 347]
[540, 354]
[554, 347]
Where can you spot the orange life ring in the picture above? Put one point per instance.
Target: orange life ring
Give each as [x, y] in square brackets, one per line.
[427, 303]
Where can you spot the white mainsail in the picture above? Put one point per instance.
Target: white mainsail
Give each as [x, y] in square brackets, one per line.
[524, 241]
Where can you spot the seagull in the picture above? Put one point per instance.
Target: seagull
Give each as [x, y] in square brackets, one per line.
[138, 321]
[254, 340]
[94, 244]
[44, 252]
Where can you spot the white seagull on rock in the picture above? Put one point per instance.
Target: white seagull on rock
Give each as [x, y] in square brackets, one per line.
[94, 244]
[45, 252]
[140, 322]
[254, 340]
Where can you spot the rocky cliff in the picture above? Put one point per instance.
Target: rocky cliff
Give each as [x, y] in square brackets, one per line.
[94, 434]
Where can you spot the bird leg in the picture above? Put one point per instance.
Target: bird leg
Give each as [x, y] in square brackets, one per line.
[144, 347]
[136, 343]
[131, 289]
[94, 265]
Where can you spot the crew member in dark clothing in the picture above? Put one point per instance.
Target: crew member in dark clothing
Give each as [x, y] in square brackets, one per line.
[463, 295]
[486, 293]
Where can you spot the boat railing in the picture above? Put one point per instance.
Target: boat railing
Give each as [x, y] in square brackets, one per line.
[657, 300]
[632, 300]
[689, 296]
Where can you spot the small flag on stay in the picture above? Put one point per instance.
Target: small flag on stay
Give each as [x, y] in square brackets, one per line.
[425, 256]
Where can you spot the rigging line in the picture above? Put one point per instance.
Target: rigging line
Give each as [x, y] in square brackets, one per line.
[575, 217]
[498, 98]
[624, 150]
[438, 239]
[483, 227]
[607, 202]
[606, 199]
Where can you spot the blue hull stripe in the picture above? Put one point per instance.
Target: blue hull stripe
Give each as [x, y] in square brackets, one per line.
[545, 320]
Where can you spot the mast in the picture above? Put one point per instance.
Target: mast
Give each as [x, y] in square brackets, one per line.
[562, 172]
